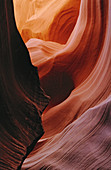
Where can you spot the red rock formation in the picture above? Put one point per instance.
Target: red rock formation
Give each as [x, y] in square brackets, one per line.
[47, 20]
[77, 125]
[84, 144]
[75, 74]
[21, 98]
[78, 61]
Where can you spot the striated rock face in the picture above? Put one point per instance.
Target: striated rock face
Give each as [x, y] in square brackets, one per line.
[47, 20]
[77, 76]
[21, 99]
[70, 43]
[83, 144]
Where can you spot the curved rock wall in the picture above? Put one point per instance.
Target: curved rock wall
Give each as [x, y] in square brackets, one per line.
[77, 76]
[47, 20]
[81, 62]
[70, 43]
[21, 99]
[83, 144]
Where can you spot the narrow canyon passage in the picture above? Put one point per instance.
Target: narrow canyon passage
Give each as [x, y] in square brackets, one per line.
[55, 84]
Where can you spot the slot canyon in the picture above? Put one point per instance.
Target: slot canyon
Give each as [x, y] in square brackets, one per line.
[55, 84]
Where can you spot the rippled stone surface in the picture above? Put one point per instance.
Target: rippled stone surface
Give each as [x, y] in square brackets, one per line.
[84, 61]
[83, 144]
[21, 98]
[51, 20]
[77, 76]
[75, 71]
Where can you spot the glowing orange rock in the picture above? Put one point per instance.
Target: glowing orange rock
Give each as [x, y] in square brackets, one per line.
[76, 72]
[47, 20]
[77, 130]
[79, 61]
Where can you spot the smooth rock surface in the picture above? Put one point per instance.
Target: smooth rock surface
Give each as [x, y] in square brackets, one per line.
[70, 43]
[77, 76]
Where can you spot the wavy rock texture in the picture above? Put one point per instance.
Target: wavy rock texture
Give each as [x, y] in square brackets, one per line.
[77, 76]
[47, 20]
[21, 99]
[84, 144]
[74, 70]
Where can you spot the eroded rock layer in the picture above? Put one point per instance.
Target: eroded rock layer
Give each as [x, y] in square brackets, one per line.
[21, 99]
[70, 43]
[77, 76]
[84, 144]
[47, 20]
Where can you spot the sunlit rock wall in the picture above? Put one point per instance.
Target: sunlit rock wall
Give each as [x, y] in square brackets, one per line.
[70, 43]
[47, 20]
[77, 76]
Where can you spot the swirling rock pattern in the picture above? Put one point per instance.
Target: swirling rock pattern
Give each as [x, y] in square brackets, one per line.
[84, 144]
[75, 71]
[47, 20]
[84, 60]
[77, 76]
